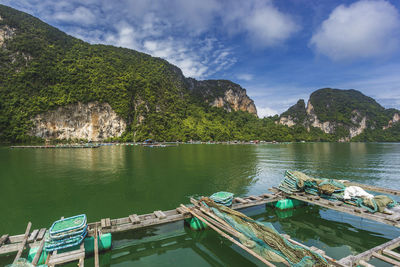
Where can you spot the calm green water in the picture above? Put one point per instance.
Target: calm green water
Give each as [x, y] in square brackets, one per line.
[42, 185]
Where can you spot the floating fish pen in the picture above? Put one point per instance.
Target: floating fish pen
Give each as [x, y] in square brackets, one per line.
[64, 242]
[59, 146]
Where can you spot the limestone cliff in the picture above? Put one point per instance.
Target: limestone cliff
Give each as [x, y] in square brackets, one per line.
[346, 113]
[93, 121]
[222, 94]
[395, 119]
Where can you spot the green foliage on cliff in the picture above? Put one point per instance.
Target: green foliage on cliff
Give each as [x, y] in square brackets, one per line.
[42, 68]
[337, 105]
[297, 112]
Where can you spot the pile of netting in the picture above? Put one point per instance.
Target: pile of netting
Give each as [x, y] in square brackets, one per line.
[262, 238]
[331, 189]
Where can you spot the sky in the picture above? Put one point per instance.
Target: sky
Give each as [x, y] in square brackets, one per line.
[279, 51]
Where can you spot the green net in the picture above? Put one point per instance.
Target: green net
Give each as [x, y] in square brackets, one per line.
[263, 239]
[20, 263]
[295, 181]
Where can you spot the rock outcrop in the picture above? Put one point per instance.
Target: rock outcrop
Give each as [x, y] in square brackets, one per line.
[236, 100]
[93, 121]
[222, 94]
[395, 119]
[326, 127]
[6, 33]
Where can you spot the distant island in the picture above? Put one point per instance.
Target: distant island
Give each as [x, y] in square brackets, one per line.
[55, 86]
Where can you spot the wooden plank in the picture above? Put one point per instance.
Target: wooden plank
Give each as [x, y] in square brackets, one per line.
[3, 239]
[266, 195]
[134, 219]
[394, 217]
[180, 210]
[96, 249]
[108, 222]
[38, 253]
[160, 215]
[22, 246]
[41, 234]
[255, 198]
[33, 235]
[103, 223]
[81, 262]
[66, 257]
[240, 200]
[392, 254]
[365, 264]
[366, 255]
[386, 259]
[125, 223]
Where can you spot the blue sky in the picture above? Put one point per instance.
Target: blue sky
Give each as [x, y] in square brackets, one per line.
[280, 51]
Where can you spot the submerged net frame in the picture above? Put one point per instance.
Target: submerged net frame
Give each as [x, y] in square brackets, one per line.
[263, 239]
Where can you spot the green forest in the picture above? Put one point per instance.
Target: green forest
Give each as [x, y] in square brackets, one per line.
[42, 68]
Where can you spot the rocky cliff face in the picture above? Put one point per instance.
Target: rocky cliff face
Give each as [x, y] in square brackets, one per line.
[395, 119]
[6, 32]
[93, 121]
[222, 94]
[235, 100]
[333, 110]
[313, 120]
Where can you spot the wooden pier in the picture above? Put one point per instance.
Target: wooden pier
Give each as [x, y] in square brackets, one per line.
[57, 146]
[12, 244]
[384, 252]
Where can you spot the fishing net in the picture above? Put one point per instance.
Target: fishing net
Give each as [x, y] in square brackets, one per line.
[378, 203]
[263, 239]
[20, 263]
[295, 181]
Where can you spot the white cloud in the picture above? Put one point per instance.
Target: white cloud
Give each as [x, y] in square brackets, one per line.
[189, 33]
[80, 15]
[266, 112]
[245, 76]
[361, 30]
[268, 26]
[263, 23]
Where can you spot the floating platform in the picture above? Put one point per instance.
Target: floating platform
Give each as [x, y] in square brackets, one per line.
[97, 231]
[58, 146]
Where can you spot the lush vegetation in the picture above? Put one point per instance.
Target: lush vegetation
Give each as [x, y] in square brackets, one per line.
[338, 105]
[42, 68]
[297, 112]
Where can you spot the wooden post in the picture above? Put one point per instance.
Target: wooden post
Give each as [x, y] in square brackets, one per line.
[229, 238]
[81, 262]
[22, 247]
[96, 248]
[38, 253]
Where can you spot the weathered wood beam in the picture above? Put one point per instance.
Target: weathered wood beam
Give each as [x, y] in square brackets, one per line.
[366, 255]
[22, 246]
[96, 249]
[38, 253]
[392, 254]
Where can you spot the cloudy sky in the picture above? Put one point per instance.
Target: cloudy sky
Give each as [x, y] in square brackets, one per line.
[279, 51]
